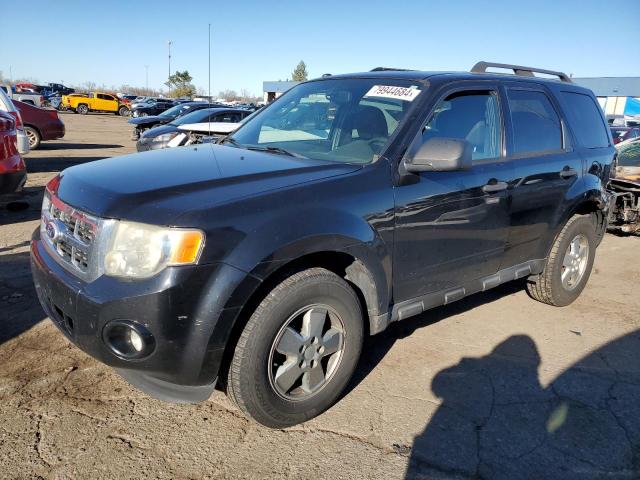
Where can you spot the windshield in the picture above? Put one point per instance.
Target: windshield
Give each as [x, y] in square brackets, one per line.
[174, 111]
[341, 120]
[629, 155]
[193, 117]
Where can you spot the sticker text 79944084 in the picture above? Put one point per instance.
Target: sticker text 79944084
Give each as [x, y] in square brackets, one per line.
[388, 91]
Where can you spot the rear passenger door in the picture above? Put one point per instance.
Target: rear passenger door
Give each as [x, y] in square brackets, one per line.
[547, 170]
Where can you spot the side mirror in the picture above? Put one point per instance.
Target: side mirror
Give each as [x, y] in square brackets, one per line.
[440, 155]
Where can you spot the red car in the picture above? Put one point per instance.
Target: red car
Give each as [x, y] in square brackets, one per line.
[620, 134]
[13, 171]
[40, 123]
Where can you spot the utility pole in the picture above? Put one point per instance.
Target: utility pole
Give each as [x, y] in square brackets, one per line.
[146, 77]
[169, 79]
[209, 62]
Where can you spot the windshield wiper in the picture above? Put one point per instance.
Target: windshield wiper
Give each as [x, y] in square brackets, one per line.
[230, 140]
[277, 150]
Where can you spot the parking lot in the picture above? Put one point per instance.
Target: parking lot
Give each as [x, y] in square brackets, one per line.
[494, 386]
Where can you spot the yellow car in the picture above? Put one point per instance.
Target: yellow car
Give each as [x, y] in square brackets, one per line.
[95, 102]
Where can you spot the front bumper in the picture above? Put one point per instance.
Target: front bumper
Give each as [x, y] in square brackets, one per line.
[189, 311]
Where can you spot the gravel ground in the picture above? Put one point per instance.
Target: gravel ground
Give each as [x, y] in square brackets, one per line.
[496, 386]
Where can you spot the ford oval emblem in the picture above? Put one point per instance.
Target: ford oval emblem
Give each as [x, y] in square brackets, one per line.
[52, 231]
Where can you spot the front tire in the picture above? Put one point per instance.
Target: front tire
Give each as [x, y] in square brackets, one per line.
[569, 265]
[298, 350]
[123, 111]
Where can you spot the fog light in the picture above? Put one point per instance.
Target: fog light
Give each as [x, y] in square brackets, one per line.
[136, 340]
[128, 339]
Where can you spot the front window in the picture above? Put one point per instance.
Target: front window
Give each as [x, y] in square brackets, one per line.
[471, 115]
[342, 120]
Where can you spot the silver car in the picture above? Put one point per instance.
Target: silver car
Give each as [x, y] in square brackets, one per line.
[6, 105]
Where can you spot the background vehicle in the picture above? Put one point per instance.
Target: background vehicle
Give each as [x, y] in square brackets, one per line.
[625, 189]
[95, 102]
[40, 124]
[13, 172]
[152, 107]
[6, 105]
[160, 136]
[142, 124]
[31, 98]
[197, 133]
[300, 233]
[621, 134]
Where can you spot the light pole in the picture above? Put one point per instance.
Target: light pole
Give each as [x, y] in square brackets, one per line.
[146, 77]
[209, 62]
[169, 79]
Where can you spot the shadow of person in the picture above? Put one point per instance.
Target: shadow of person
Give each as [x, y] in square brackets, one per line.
[496, 421]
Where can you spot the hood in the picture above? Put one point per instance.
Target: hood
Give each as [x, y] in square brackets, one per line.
[157, 187]
[210, 127]
[159, 130]
[151, 119]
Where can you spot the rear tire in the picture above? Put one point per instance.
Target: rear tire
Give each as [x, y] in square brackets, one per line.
[34, 137]
[309, 329]
[569, 265]
[82, 109]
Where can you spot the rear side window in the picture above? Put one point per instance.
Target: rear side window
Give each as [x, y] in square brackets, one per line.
[585, 119]
[536, 125]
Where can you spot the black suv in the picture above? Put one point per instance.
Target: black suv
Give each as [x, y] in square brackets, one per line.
[350, 202]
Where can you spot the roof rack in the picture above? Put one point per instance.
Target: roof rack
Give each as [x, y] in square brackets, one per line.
[481, 67]
[390, 69]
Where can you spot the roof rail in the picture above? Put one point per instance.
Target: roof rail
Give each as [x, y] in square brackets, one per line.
[390, 69]
[481, 67]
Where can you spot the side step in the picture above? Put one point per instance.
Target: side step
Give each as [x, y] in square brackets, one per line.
[416, 306]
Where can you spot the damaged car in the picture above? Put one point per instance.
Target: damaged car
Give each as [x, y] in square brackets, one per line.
[624, 187]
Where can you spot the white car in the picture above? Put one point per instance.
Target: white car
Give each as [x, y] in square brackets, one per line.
[197, 132]
[6, 105]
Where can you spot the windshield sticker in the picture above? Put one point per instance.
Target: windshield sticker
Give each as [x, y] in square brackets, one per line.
[399, 93]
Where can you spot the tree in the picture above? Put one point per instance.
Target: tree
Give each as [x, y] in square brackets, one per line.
[229, 95]
[180, 85]
[300, 73]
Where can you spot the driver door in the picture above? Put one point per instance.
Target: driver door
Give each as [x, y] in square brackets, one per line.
[452, 226]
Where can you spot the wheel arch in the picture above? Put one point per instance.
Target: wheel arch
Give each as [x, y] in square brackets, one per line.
[591, 203]
[360, 276]
[30, 125]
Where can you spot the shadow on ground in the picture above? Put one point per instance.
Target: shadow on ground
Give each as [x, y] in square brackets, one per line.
[19, 306]
[76, 146]
[56, 164]
[24, 207]
[497, 421]
[376, 347]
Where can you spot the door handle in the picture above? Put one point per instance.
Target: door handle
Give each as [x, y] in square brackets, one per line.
[494, 186]
[568, 172]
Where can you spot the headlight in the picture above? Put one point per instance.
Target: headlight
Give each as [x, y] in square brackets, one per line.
[164, 138]
[138, 250]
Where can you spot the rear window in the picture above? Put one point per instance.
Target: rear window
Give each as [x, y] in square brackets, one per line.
[536, 125]
[586, 121]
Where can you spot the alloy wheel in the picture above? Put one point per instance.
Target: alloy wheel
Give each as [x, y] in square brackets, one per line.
[306, 352]
[575, 262]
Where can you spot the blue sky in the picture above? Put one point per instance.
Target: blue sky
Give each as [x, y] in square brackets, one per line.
[110, 42]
